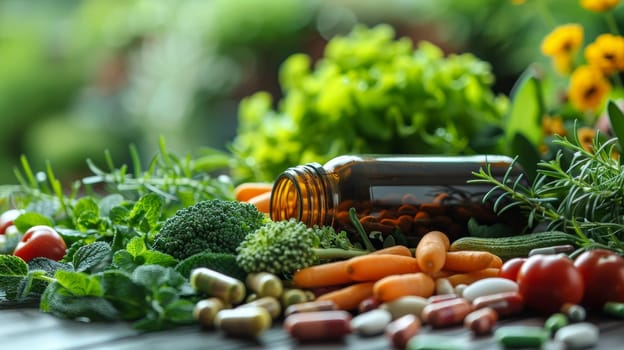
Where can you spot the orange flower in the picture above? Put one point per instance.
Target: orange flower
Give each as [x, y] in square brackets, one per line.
[599, 5]
[586, 138]
[588, 88]
[553, 125]
[606, 53]
[561, 44]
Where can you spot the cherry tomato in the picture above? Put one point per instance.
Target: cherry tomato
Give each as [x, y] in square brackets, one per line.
[510, 268]
[41, 241]
[603, 275]
[7, 218]
[546, 282]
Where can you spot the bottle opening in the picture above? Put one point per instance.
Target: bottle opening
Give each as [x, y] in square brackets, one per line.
[300, 193]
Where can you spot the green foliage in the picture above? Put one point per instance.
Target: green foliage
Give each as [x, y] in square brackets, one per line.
[220, 262]
[216, 226]
[582, 197]
[369, 93]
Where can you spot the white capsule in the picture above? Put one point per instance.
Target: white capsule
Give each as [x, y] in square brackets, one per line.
[488, 286]
[578, 335]
[372, 322]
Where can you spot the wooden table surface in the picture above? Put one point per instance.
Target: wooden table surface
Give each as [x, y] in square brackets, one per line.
[28, 328]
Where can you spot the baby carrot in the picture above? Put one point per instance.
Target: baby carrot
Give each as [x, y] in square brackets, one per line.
[373, 267]
[323, 275]
[396, 286]
[262, 202]
[431, 251]
[335, 273]
[348, 298]
[473, 276]
[248, 190]
[467, 260]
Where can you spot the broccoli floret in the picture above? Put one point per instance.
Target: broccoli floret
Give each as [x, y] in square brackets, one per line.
[282, 247]
[213, 225]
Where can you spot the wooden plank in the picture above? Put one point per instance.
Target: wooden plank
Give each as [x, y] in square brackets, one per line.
[32, 329]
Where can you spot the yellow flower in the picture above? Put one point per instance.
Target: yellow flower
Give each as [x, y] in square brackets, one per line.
[518, 2]
[561, 44]
[588, 88]
[599, 5]
[606, 53]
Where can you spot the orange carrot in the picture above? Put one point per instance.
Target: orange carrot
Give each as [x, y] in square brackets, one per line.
[396, 286]
[394, 250]
[323, 275]
[373, 267]
[497, 262]
[431, 251]
[335, 273]
[468, 260]
[348, 298]
[248, 190]
[262, 202]
[473, 276]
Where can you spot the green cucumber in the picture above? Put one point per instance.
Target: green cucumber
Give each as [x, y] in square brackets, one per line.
[515, 246]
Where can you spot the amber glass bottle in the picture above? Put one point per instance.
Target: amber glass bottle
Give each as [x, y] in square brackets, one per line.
[414, 194]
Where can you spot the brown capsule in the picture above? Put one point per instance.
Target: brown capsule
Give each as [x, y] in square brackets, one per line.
[368, 304]
[205, 311]
[438, 298]
[446, 313]
[505, 304]
[318, 325]
[401, 330]
[481, 321]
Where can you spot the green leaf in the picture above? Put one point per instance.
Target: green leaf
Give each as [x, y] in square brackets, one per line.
[155, 276]
[92, 257]
[526, 110]
[528, 155]
[146, 212]
[30, 219]
[617, 122]
[13, 271]
[136, 246]
[128, 297]
[61, 302]
[153, 257]
[124, 261]
[180, 311]
[78, 283]
[86, 214]
[109, 202]
[119, 215]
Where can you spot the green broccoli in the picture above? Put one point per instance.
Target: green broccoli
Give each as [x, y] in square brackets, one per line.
[220, 262]
[213, 225]
[282, 247]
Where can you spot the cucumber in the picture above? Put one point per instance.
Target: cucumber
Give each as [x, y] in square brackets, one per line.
[515, 246]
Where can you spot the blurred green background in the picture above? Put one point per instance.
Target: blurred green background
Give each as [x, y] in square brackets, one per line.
[79, 77]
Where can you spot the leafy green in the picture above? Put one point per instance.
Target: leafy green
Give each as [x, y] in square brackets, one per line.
[93, 257]
[369, 93]
[137, 254]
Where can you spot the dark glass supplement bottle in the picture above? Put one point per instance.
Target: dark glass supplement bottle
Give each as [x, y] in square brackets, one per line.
[390, 193]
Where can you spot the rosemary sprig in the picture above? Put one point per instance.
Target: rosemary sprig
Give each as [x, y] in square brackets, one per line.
[584, 196]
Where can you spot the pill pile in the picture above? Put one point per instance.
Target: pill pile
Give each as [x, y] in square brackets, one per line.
[477, 307]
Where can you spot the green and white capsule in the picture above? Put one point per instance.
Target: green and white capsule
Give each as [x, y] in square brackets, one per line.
[265, 284]
[247, 322]
[216, 284]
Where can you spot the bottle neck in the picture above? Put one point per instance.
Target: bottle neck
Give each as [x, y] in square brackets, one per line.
[304, 193]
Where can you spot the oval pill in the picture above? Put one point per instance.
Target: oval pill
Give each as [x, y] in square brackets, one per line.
[578, 335]
[265, 284]
[318, 325]
[446, 313]
[555, 321]
[521, 336]
[505, 304]
[243, 322]
[309, 306]
[401, 330]
[371, 322]
[435, 342]
[488, 286]
[481, 321]
[271, 304]
[216, 284]
[406, 305]
[205, 311]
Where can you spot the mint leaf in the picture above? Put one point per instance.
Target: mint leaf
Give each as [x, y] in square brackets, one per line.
[92, 257]
[136, 246]
[30, 219]
[109, 202]
[78, 283]
[119, 215]
[61, 302]
[124, 261]
[13, 271]
[128, 297]
[86, 214]
[145, 213]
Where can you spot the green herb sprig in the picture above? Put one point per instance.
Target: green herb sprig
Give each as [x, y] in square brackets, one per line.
[580, 192]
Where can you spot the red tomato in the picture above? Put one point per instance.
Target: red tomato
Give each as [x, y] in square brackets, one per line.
[41, 241]
[510, 268]
[7, 218]
[603, 275]
[546, 282]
